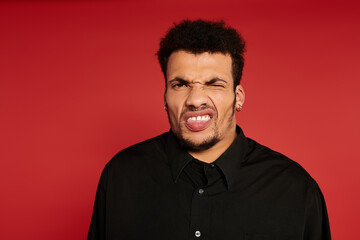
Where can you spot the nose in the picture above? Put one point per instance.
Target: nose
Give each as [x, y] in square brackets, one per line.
[197, 97]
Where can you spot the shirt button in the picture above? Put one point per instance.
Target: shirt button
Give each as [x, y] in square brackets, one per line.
[201, 191]
[197, 234]
[213, 165]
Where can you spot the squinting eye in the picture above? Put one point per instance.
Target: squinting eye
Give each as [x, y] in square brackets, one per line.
[179, 85]
[217, 85]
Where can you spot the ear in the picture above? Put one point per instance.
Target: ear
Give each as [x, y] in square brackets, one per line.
[165, 103]
[240, 96]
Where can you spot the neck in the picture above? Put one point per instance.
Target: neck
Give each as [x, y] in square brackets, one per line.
[213, 153]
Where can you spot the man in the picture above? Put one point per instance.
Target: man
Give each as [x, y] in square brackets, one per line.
[204, 179]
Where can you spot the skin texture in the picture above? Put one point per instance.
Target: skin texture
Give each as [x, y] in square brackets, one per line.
[202, 84]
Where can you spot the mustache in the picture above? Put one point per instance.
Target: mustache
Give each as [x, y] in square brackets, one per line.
[191, 108]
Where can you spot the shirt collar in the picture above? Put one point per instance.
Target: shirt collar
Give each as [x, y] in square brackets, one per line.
[178, 157]
[229, 162]
[232, 159]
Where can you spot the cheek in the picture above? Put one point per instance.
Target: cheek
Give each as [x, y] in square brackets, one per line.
[175, 105]
[173, 116]
[174, 113]
[224, 104]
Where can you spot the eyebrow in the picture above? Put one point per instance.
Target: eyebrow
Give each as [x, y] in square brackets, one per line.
[214, 80]
[178, 79]
[211, 81]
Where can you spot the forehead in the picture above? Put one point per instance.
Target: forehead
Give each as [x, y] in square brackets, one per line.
[199, 67]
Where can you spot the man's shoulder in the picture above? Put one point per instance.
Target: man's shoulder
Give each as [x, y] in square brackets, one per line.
[151, 149]
[274, 161]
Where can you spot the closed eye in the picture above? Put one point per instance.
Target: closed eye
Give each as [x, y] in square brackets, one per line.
[216, 82]
[217, 85]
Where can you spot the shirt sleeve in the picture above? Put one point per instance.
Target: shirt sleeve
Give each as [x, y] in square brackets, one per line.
[97, 225]
[316, 222]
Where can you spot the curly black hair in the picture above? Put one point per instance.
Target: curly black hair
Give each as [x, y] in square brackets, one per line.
[201, 36]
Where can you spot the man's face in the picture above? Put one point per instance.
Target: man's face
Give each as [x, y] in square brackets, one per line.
[200, 98]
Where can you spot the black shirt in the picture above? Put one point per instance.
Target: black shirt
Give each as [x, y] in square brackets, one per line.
[156, 190]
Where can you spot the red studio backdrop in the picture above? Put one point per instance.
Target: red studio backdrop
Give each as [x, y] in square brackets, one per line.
[79, 81]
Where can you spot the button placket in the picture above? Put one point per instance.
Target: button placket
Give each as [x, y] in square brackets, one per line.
[200, 210]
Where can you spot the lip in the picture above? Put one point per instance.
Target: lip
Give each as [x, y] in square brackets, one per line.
[190, 114]
[201, 125]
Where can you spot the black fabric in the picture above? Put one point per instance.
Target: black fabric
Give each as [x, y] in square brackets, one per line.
[156, 190]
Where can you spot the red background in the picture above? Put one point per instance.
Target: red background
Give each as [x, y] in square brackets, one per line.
[80, 81]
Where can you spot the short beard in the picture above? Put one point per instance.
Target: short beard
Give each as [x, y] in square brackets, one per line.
[191, 146]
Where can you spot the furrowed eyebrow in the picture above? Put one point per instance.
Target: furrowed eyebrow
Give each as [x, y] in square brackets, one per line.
[179, 80]
[214, 80]
[185, 82]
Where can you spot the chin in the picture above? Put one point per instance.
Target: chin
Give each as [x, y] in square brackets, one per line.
[192, 143]
[195, 141]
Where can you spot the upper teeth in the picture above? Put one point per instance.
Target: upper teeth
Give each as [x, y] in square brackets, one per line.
[200, 118]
